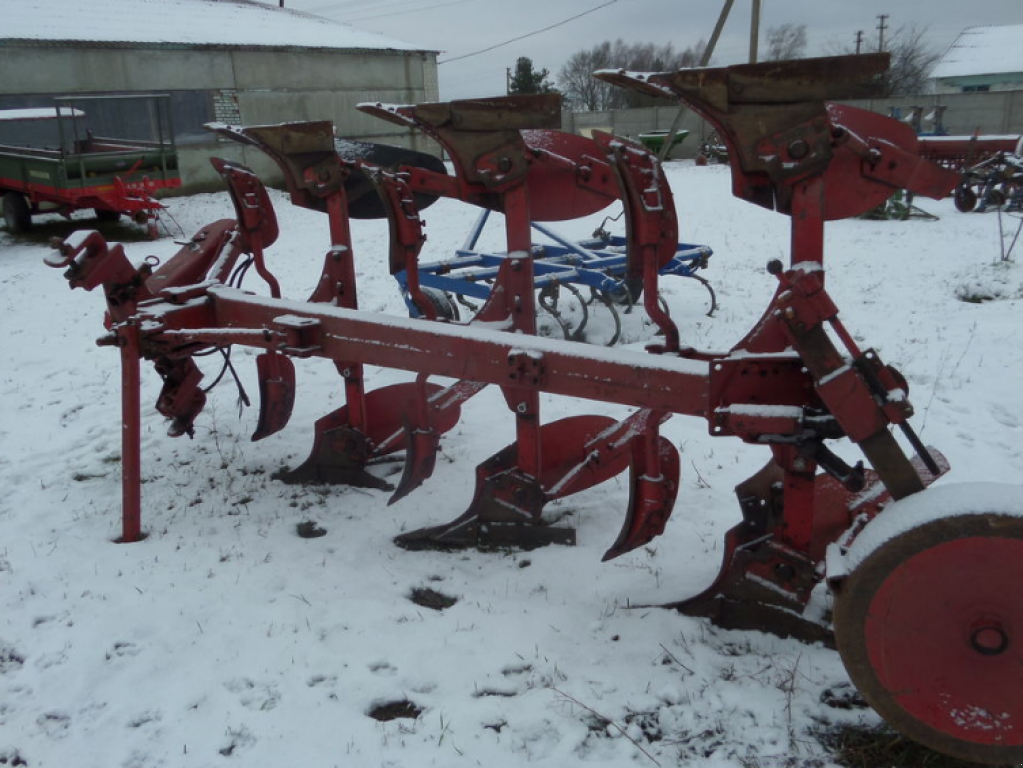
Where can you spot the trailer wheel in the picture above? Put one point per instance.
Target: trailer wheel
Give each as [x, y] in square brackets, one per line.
[17, 215]
[102, 214]
[995, 197]
[965, 199]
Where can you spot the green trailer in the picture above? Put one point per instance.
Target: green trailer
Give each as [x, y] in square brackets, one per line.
[52, 161]
[654, 140]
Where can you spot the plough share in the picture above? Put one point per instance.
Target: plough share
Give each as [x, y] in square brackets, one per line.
[946, 668]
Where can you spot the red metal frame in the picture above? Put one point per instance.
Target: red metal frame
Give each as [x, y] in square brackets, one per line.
[816, 162]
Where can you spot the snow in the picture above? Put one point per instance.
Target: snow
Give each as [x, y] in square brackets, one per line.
[961, 499]
[983, 51]
[44, 113]
[221, 23]
[225, 639]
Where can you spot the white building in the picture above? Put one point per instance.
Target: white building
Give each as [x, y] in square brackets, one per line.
[982, 59]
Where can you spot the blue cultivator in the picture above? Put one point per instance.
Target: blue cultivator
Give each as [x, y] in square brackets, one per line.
[599, 264]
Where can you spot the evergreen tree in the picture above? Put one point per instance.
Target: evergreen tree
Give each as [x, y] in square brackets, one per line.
[525, 79]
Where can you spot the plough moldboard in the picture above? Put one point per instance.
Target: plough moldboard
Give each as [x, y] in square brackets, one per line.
[947, 673]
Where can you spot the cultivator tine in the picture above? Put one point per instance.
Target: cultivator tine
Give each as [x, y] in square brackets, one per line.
[421, 448]
[654, 478]
[422, 442]
[276, 374]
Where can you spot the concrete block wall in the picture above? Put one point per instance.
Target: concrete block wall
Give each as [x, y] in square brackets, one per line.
[246, 86]
[999, 112]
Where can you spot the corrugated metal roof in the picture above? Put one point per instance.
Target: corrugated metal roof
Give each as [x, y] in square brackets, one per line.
[983, 51]
[232, 23]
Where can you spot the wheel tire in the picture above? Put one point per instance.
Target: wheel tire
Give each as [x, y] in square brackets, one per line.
[996, 198]
[102, 214]
[442, 305]
[965, 199]
[17, 214]
[928, 630]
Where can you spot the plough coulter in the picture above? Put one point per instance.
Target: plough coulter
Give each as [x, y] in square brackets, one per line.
[924, 617]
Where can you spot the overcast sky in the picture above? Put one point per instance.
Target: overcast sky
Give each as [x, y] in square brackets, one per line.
[461, 27]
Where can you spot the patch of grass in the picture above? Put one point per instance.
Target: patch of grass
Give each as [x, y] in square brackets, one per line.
[431, 598]
[309, 529]
[395, 710]
[859, 746]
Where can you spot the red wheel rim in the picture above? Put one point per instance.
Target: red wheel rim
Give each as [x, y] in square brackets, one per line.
[953, 659]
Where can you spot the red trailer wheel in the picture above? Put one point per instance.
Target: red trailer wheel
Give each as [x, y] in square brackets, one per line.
[930, 628]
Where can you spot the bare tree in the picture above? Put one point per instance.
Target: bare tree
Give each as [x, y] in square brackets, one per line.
[787, 41]
[584, 92]
[912, 61]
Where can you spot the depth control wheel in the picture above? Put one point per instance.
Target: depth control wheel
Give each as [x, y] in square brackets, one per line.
[930, 628]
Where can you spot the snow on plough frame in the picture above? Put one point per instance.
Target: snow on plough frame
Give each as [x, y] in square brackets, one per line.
[925, 617]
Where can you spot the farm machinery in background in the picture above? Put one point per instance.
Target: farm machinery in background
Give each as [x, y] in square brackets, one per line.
[991, 168]
[52, 162]
[925, 617]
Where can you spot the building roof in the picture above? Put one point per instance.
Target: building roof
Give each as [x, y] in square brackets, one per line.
[983, 51]
[218, 23]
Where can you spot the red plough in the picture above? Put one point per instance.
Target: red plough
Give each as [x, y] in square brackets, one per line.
[796, 381]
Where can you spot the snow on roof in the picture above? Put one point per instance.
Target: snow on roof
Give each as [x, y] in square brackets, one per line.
[39, 113]
[983, 51]
[234, 23]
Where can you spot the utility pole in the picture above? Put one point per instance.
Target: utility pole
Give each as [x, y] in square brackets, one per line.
[507, 81]
[704, 60]
[859, 40]
[881, 27]
[754, 32]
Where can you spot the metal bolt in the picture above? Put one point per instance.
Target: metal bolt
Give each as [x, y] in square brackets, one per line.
[989, 640]
[798, 149]
[784, 571]
[521, 407]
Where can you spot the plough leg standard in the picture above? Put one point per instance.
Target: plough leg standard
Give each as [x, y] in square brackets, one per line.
[923, 617]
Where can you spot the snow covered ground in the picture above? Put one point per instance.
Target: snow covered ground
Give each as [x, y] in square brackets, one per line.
[226, 639]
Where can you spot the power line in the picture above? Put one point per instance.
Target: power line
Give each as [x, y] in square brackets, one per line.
[411, 10]
[530, 34]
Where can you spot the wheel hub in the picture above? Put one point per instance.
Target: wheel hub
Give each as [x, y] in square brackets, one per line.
[989, 639]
